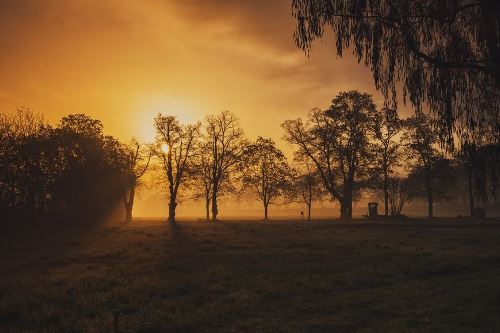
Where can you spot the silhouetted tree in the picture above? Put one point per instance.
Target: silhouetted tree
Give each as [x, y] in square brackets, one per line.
[82, 125]
[5, 132]
[136, 162]
[337, 141]
[174, 146]
[21, 173]
[432, 185]
[200, 175]
[224, 137]
[266, 170]
[68, 169]
[387, 148]
[480, 161]
[421, 141]
[92, 176]
[400, 191]
[201, 179]
[444, 53]
[307, 186]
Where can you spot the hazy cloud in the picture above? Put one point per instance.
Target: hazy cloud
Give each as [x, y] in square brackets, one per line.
[108, 57]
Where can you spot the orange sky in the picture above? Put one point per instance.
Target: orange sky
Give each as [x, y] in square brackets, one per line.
[123, 61]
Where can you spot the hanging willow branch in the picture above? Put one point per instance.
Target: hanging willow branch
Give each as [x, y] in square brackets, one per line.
[444, 54]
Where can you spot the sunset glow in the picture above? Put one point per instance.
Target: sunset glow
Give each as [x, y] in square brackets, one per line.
[249, 166]
[125, 61]
[186, 111]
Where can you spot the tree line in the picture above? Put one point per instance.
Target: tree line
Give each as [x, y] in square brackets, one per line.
[71, 169]
[340, 153]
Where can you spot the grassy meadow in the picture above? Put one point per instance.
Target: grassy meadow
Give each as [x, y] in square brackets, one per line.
[253, 276]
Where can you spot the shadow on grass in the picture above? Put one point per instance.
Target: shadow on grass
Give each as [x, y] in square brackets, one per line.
[259, 276]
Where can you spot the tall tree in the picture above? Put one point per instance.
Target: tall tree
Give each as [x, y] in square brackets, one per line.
[421, 141]
[81, 141]
[337, 141]
[93, 175]
[136, 161]
[266, 170]
[432, 185]
[174, 146]
[307, 186]
[22, 180]
[443, 53]
[387, 148]
[480, 161]
[225, 138]
[201, 175]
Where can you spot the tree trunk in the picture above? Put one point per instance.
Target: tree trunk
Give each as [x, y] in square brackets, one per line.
[128, 213]
[430, 198]
[129, 205]
[349, 208]
[386, 192]
[346, 204]
[343, 211]
[265, 212]
[430, 204]
[207, 208]
[171, 209]
[309, 204]
[471, 195]
[215, 211]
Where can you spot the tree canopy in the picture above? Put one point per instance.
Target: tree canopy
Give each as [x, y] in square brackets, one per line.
[445, 55]
[266, 170]
[337, 142]
[174, 147]
[71, 169]
[226, 143]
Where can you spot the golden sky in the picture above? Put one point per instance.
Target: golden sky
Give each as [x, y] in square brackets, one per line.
[124, 61]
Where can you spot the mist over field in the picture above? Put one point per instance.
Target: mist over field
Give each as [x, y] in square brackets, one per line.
[249, 166]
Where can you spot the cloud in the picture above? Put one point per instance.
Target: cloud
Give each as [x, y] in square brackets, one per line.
[268, 22]
[101, 57]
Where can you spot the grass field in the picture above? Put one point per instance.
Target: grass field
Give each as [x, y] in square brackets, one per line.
[253, 277]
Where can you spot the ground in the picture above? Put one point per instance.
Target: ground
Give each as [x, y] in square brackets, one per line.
[253, 276]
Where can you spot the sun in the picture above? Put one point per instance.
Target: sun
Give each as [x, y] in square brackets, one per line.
[186, 111]
[165, 148]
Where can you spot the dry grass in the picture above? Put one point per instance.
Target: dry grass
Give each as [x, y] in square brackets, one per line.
[253, 277]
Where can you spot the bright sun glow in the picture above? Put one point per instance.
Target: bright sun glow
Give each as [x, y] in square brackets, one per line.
[186, 112]
[165, 148]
